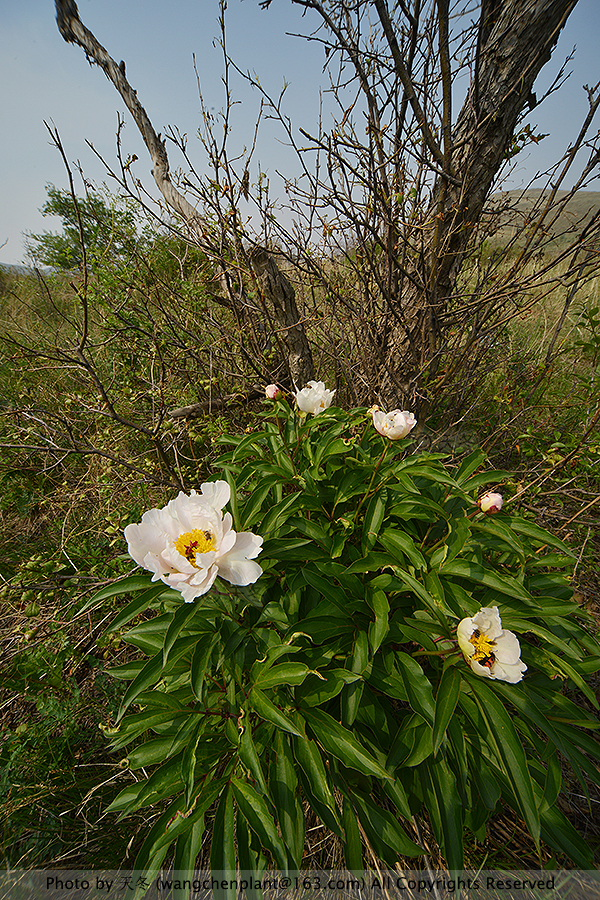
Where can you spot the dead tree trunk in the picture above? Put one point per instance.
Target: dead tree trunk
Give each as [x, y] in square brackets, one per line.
[515, 39]
[281, 297]
[275, 286]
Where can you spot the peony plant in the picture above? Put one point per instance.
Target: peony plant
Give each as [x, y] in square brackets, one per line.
[398, 654]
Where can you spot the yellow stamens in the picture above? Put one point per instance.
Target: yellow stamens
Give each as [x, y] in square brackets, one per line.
[193, 542]
[484, 652]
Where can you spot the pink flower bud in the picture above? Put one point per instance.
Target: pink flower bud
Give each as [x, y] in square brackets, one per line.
[272, 392]
[490, 503]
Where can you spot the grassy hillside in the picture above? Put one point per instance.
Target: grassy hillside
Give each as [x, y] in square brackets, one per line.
[564, 218]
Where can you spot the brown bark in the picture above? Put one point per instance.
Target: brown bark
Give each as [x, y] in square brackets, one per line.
[280, 295]
[515, 40]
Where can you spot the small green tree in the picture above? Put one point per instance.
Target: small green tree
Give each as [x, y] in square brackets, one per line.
[106, 231]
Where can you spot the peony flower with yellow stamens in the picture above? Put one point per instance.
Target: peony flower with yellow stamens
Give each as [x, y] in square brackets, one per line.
[489, 649]
[189, 542]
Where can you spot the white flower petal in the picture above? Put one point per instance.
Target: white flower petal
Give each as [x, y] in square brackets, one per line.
[505, 672]
[507, 648]
[394, 425]
[487, 620]
[463, 633]
[216, 493]
[240, 571]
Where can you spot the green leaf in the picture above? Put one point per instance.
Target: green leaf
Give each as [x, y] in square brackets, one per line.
[284, 784]
[504, 740]
[125, 586]
[342, 744]
[567, 669]
[326, 588]
[460, 532]
[379, 628]
[474, 572]
[285, 673]
[249, 757]
[495, 476]
[445, 808]
[469, 465]
[254, 809]
[352, 844]
[280, 513]
[179, 620]
[187, 848]
[398, 542]
[384, 831]
[445, 704]
[222, 848]
[251, 512]
[417, 685]
[558, 832]
[250, 860]
[150, 674]
[310, 761]
[373, 561]
[200, 660]
[373, 520]
[138, 605]
[537, 534]
[317, 689]
[271, 713]
[499, 529]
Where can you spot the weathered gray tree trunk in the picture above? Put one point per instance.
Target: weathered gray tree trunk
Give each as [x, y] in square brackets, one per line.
[515, 40]
[275, 286]
[281, 297]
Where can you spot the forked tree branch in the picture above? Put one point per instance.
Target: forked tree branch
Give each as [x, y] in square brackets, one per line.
[74, 32]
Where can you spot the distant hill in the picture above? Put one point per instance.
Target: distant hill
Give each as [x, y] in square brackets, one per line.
[507, 212]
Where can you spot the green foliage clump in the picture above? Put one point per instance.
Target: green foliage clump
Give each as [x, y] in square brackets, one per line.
[107, 232]
[335, 682]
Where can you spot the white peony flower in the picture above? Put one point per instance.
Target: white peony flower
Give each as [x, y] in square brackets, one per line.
[393, 425]
[314, 398]
[189, 542]
[488, 648]
[490, 503]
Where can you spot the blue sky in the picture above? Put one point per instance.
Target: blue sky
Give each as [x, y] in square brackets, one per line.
[43, 78]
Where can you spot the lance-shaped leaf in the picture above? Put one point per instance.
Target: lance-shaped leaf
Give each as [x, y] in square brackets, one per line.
[445, 704]
[417, 685]
[402, 546]
[445, 808]
[315, 783]
[271, 713]
[504, 741]
[222, 848]
[250, 759]
[292, 673]
[139, 604]
[342, 744]
[256, 812]
[490, 578]
[283, 784]
[373, 520]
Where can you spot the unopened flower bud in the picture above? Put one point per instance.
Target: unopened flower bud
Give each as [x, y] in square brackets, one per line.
[490, 503]
[272, 392]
